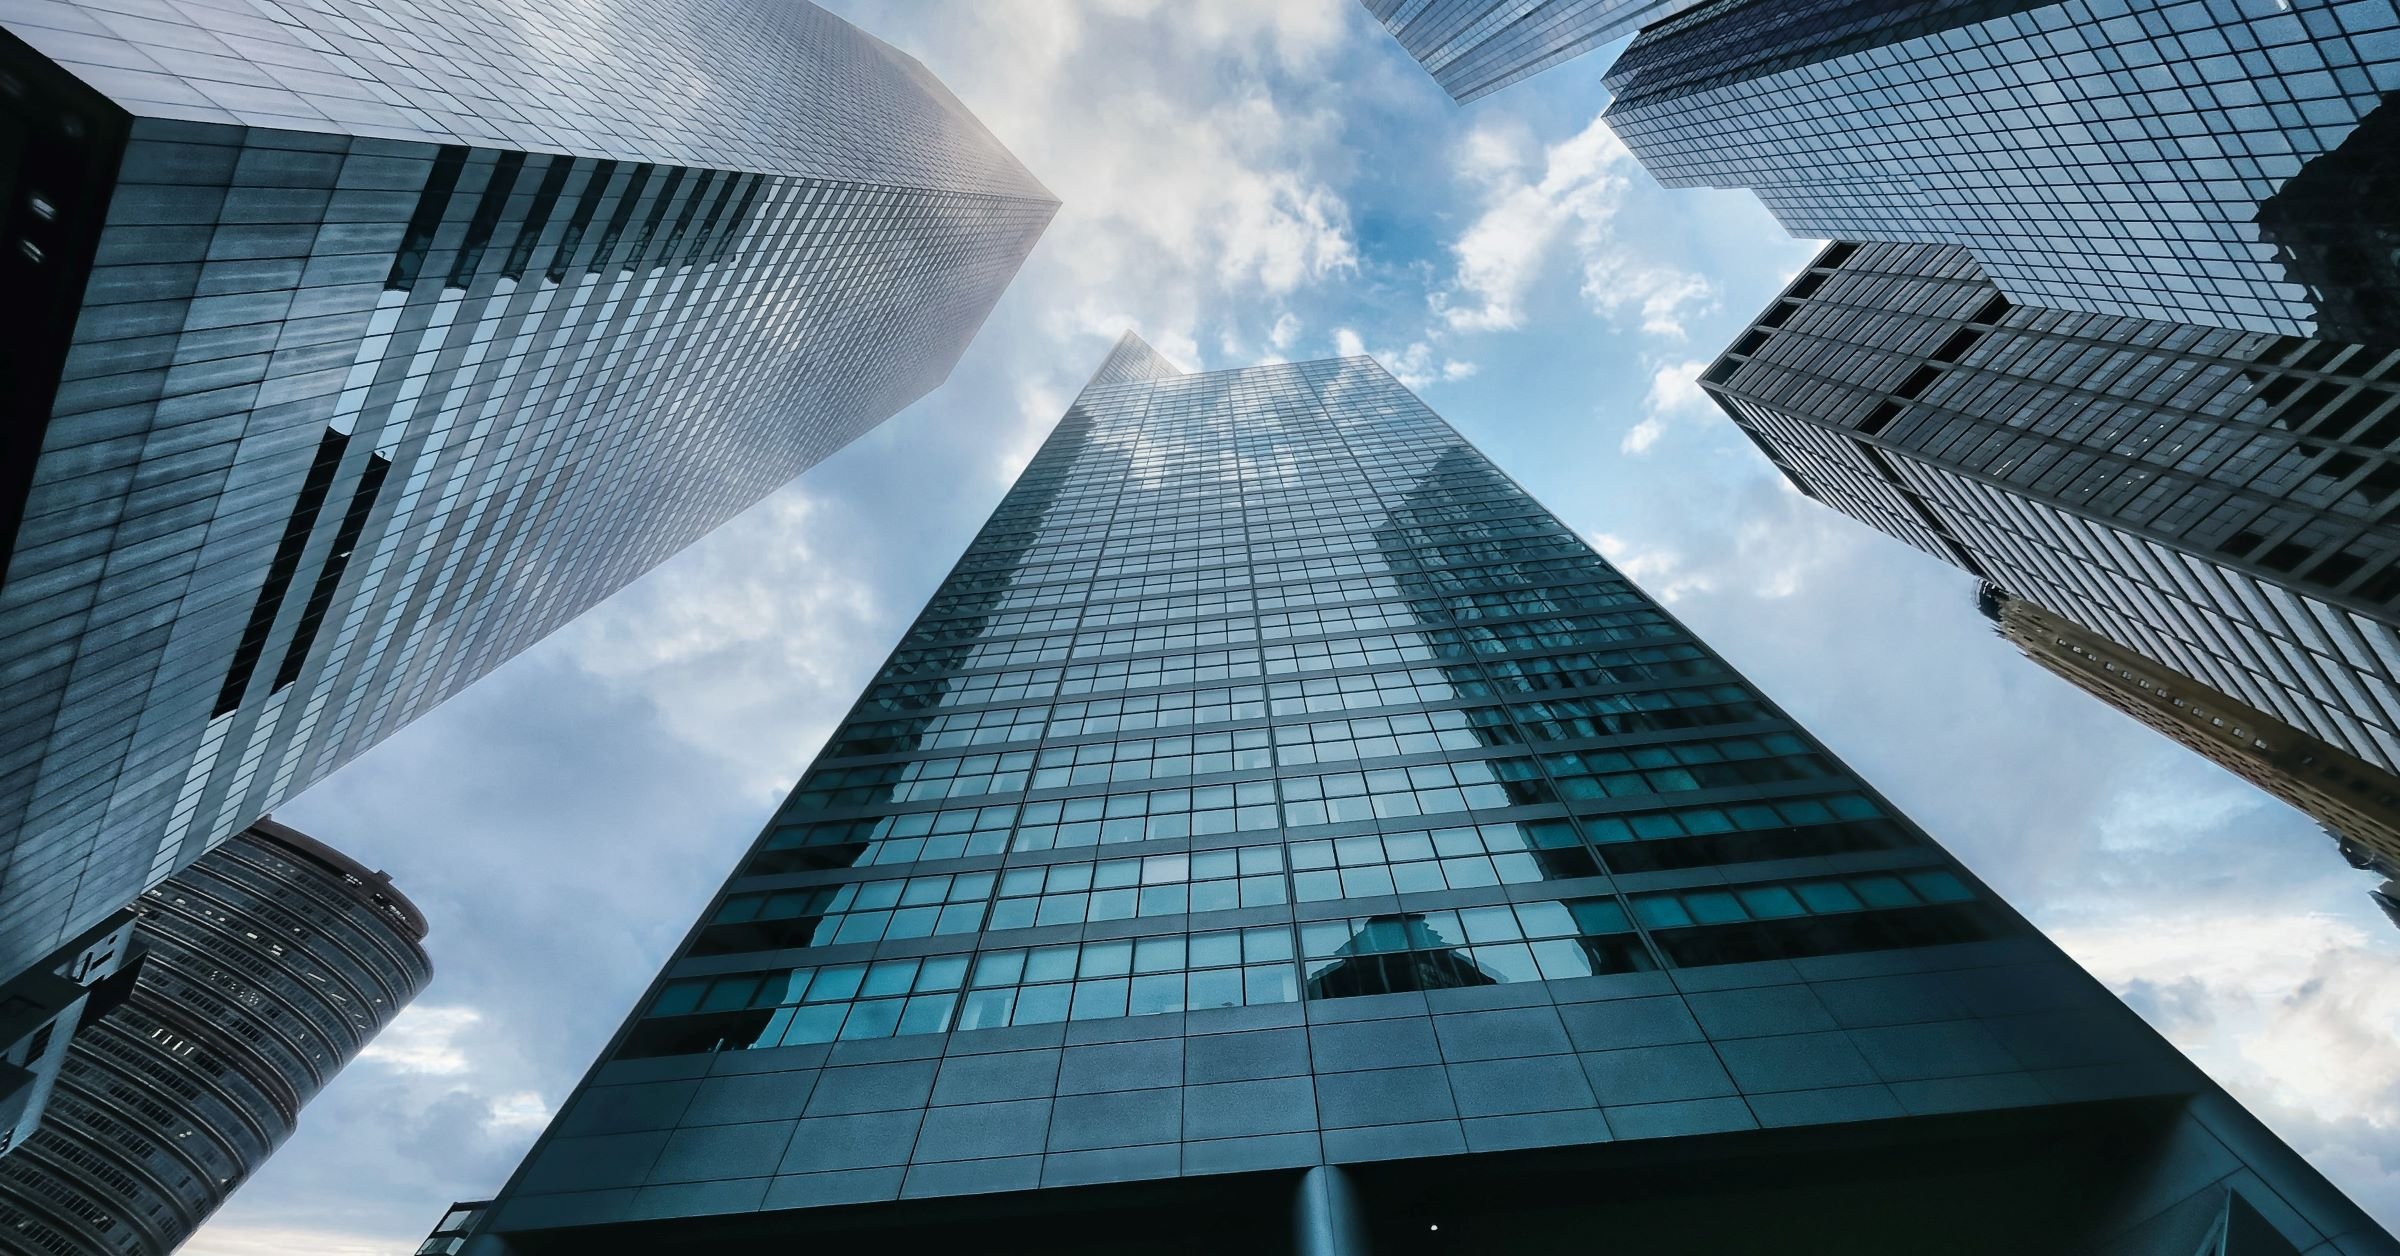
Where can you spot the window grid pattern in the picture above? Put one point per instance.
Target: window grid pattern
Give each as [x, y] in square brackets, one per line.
[1469, 704]
[2161, 159]
[2215, 500]
[358, 406]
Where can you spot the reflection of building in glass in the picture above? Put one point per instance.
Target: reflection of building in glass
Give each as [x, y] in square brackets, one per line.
[2144, 159]
[1389, 953]
[2216, 501]
[2336, 229]
[40, 1010]
[366, 345]
[1476, 47]
[2356, 802]
[1273, 786]
[264, 968]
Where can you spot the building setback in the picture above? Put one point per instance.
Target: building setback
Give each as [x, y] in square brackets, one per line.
[359, 345]
[2215, 501]
[1476, 47]
[2213, 162]
[265, 967]
[1279, 833]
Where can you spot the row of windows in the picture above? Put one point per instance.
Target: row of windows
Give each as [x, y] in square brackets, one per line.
[1679, 837]
[1547, 940]
[1362, 866]
[1294, 745]
[1356, 690]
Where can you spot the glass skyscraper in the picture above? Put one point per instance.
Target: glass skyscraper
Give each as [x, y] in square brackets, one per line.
[2228, 163]
[1280, 833]
[362, 343]
[2212, 500]
[1476, 47]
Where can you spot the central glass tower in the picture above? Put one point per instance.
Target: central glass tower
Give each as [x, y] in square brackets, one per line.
[1280, 833]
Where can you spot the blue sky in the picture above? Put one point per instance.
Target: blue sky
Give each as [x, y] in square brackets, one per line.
[1246, 180]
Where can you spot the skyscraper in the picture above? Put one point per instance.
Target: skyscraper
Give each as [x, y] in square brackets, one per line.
[1277, 814]
[2213, 501]
[2214, 164]
[1476, 47]
[364, 343]
[2356, 802]
[265, 967]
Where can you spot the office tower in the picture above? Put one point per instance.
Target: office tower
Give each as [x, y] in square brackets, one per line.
[365, 343]
[2197, 163]
[1278, 820]
[265, 967]
[449, 1237]
[1476, 47]
[2356, 802]
[2211, 500]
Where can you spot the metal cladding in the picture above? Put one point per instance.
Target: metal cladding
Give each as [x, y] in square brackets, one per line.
[370, 342]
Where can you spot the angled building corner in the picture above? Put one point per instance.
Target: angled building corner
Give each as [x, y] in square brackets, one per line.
[358, 357]
[1278, 833]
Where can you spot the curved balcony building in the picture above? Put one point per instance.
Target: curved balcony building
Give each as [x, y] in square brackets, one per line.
[267, 965]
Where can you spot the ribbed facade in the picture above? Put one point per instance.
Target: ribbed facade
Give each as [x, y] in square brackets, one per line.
[2227, 164]
[2217, 501]
[1277, 815]
[267, 966]
[1476, 47]
[370, 342]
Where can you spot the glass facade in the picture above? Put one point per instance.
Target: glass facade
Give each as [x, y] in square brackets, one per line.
[391, 338]
[1274, 784]
[2162, 159]
[2212, 500]
[1476, 47]
[264, 968]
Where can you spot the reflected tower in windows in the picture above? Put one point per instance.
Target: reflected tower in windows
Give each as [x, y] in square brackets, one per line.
[1277, 810]
[356, 346]
[2207, 163]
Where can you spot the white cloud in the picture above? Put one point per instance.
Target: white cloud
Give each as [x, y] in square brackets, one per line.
[522, 1111]
[733, 632]
[2295, 1009]
[1417, 365]
[1674, 393]
[1573, 191]
[1285, 332]
[272, 1240]
[1661, 570]
[425, 1038]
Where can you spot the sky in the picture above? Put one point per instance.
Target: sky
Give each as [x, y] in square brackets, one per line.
[1246, 181]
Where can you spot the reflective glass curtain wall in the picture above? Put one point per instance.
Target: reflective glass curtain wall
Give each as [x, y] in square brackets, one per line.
[2218, 501]
[389, 338]
[1273, 784]
[1476, 47]
[2219, 162]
